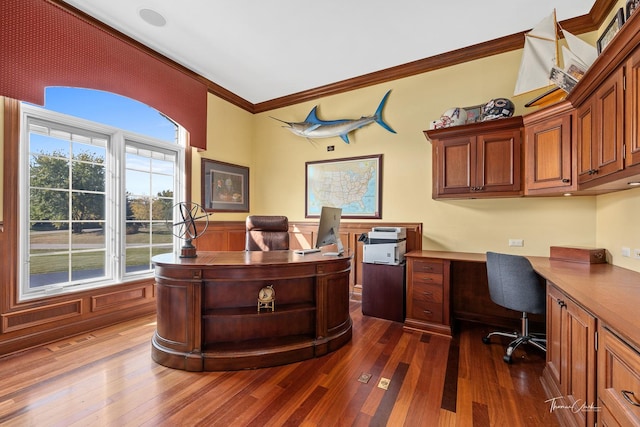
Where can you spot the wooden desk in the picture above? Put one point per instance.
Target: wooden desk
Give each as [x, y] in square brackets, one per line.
[207, 316]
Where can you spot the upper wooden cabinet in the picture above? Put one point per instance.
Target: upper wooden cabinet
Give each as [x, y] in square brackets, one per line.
[632, 110]
[549, 153]
[477, 160]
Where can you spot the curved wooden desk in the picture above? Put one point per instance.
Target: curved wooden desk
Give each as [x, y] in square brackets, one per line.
[207, 317]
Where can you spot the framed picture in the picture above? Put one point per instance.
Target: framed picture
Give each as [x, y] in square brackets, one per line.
[352, 184]
[631, 7]
[225, 187]
[474, 113]
[611, 30]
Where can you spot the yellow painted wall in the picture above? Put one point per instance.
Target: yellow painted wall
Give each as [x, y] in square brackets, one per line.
[461, 225]
[618, 225]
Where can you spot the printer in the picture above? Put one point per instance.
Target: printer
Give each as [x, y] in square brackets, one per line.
[385, 245]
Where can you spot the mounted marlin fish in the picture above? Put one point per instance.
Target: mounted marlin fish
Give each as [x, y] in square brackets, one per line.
[313, 127]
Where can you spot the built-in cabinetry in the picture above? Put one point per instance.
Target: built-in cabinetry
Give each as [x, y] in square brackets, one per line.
[570, 374]
[477, 160]
[618, 380]
[550, 157]
[428, 301]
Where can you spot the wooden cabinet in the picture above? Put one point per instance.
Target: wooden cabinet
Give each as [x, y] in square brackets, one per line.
[632, 110]
[477, 160]
[600, 138]
[428, 301]
[569, 376]
[549, 153]
[383, 291]
[618, 380]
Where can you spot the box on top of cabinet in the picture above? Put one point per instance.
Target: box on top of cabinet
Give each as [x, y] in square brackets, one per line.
[578, 254]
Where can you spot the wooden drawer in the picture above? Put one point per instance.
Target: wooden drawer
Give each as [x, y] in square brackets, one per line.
[426, 279]
[426, 266]
[619, 378]
[427, 311]
[427, 292]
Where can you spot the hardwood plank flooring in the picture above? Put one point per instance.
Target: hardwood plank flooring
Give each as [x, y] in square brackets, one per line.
[107, 378]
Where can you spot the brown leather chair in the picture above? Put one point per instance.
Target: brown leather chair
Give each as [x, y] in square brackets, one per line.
[267, 233]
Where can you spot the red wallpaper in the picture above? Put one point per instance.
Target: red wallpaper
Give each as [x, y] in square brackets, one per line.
[43, 45]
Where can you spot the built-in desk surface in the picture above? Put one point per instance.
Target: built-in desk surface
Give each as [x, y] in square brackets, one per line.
[610, 293]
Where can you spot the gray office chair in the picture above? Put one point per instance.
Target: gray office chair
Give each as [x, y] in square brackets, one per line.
[515, 285]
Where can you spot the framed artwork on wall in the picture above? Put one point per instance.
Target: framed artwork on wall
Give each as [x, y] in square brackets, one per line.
[225, 187]
[352, 184]
[631, 7]
[611, 30]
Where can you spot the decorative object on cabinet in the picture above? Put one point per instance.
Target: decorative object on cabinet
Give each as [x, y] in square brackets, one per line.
[324, 186]
[455, 116]
[631, 7]
[515, 285]
[267, 298]
[474, 113]
[225, 187]
[186, 227]
[497, 108]
[540, 56]
[313, 127]
[611, 30]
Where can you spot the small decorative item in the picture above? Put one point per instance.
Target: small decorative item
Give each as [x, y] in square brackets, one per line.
[313, 127]
[267, 298]
[562, 79]
[455, 116]
[353, 184]
[611, 30]
[474, 113]
[225, 187]
[631, 7]
[186, 228]
[497, 108]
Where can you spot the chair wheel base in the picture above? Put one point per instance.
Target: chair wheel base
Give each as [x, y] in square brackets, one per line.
[507, 359]
[486, 340]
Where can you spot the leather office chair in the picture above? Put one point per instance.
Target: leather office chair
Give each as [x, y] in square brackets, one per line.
[267, 233]
[515, 285]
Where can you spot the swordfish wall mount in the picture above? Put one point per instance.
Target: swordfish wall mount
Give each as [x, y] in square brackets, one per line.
[312, 127]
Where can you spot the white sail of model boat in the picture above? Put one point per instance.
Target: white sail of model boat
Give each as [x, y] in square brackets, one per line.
[540, 55]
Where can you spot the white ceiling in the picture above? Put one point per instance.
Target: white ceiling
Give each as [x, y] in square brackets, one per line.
[265, 49]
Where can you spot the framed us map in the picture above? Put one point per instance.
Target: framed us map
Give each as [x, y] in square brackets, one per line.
[353, 184]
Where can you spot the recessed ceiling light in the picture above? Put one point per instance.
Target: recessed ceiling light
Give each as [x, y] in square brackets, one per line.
[567, 194]
[634, 183]
[152, 17]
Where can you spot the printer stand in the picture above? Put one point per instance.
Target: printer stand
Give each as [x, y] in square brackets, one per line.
[383, 291]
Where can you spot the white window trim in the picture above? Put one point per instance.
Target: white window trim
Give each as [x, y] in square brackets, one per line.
[115, 189]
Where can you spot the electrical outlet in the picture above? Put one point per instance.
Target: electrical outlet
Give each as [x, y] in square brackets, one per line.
[516, 242]
[626, 252]
[636, 253]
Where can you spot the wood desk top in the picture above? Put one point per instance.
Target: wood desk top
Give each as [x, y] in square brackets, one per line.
[610, 293]
[238, 258]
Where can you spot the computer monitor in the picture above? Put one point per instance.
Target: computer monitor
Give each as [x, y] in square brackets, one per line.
[329, 228]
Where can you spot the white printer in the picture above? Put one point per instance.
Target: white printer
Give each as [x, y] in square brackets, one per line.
[385, 245]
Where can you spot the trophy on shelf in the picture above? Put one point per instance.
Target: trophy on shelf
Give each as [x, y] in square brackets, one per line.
[186, 227]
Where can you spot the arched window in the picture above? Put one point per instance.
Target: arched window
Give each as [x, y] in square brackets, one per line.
[99, 174]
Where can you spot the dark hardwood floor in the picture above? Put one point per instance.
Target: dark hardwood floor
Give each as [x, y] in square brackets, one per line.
[107, 378]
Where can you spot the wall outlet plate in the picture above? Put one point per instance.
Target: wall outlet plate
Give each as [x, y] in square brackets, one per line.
[636, 253]
[516, 242]
[626, 252]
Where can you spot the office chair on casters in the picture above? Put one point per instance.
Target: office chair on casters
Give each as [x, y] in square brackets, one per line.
[267, 233]
[515, 285]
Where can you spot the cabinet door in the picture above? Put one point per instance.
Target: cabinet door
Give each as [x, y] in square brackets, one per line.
[571, 355]
[580, 361]
[548, 156]
[455, 165]
[498, 162]
[609, 106]
[585, 140]
[632, 110]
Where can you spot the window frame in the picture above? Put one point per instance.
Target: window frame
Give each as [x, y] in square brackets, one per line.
[115, 213]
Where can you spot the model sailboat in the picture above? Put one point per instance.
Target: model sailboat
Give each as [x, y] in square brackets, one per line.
[539, 67]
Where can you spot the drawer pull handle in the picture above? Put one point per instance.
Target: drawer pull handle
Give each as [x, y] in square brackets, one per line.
[428, 293]
[427, 311]
[427, 268]
[561, 303]
[427, 279]
[626, 393]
